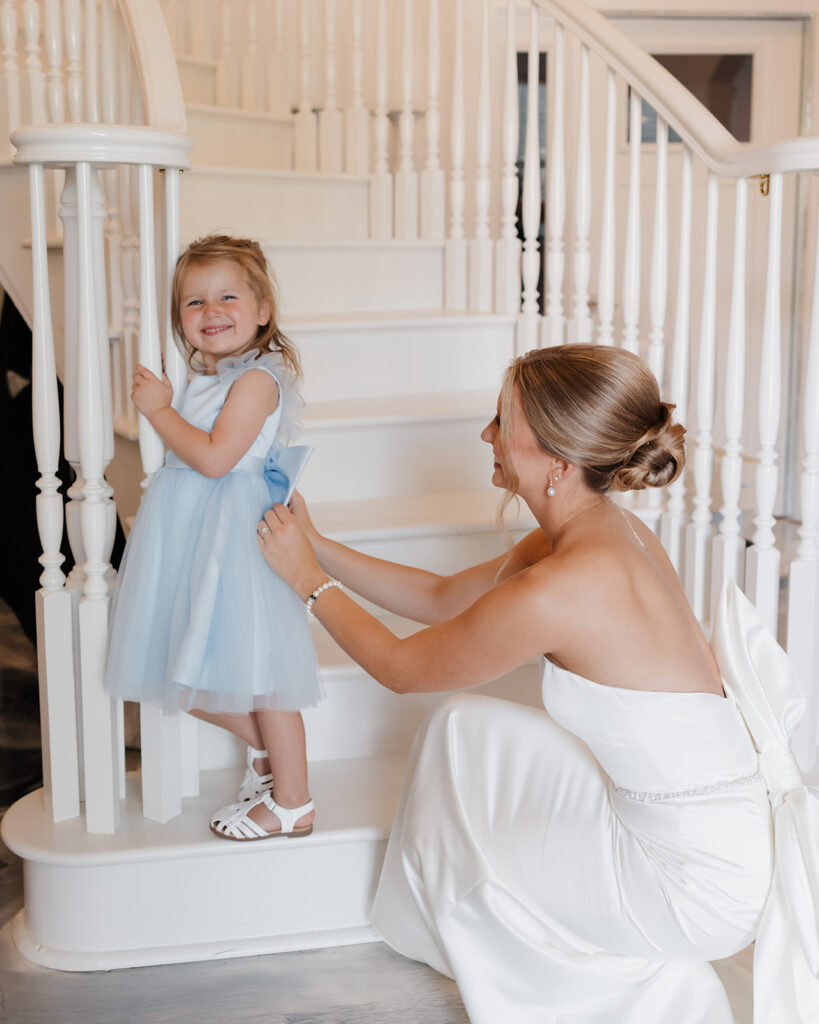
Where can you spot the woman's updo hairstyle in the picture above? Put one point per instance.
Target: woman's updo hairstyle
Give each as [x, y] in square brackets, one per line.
[599, 408]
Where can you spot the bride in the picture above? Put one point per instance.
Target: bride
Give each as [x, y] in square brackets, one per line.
[583, 864]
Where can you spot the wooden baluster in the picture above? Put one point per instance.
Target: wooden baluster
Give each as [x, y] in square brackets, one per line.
[728, 550]
[381, 183]
[432, 177]
[227, 68]
[102, 758]
[356, 116]
[55, 630]
[507, 249]
[762, 559]
[34, 70]
[10, 97]
[54, 53]
[580, 326]
[305, 130]
[161, 764]
[406, 177]
[528, 327]
[605, 280]
[631, 268]
[673, 518]
[455, 247]
[91, 58]
[278, 79]
[480, 248]
[803, 585]
[553, 321]
[72, 27]
[250, 72]
[699, 530]
[330, 122]
[658, 294]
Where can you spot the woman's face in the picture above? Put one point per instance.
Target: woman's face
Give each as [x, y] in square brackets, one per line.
[524, 456]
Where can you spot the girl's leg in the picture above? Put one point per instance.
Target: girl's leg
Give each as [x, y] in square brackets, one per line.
[282, 734]
[246, 727]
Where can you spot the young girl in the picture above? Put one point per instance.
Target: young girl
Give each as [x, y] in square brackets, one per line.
[198, 620]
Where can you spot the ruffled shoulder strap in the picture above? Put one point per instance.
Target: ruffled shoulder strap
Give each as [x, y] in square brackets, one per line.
[230, 369]
[763, 682]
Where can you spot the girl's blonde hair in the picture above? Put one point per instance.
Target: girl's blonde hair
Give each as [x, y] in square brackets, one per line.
[598, 408]
[251, 258]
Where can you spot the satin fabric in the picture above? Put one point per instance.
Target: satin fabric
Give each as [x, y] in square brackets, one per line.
[583, 864]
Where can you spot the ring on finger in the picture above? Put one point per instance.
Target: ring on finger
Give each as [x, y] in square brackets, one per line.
[263, 530]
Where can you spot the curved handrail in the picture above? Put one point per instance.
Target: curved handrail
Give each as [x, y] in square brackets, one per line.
[104, 145]
[155, 60]
[693, 122]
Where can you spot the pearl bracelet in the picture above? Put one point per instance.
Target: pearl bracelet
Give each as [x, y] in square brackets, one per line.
[311, 600]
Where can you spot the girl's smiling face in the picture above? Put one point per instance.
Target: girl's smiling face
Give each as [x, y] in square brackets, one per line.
[219, 311]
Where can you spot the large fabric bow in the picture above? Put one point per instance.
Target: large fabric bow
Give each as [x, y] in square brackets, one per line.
[282, 469]
[760, 678]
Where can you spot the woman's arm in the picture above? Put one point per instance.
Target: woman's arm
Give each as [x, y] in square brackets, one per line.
[415, 593]
[505, 627]
[214, 453]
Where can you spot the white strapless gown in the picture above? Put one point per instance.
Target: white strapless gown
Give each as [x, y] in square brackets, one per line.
[584, 863]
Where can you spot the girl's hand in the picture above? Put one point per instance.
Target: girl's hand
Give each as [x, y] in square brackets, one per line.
[298, 506]
[288, 552]
[149, 393]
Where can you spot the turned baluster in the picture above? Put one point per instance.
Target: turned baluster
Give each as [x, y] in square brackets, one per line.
[507, 249]
[433, 182]
[72, 27]
[381, 184]
[528, 327]
[605, 280]
[356, 116]
[631, 267]
[330, 121]
[305, 130]
[406, 177]
[553, 321]
[580, 326]
[11, 76]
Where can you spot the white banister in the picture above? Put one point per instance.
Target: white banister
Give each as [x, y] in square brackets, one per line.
[507, 248]
[673, 518]
[528, 329]
[250, 66]
[580, 326]
[455, 287]
[480, 247]
[432, 176]
[227, 65]
[54, 54]
[55, 653]
[91, 60]
[72, 24]
[605, 282]
[11, 75]
[305, 129]
[699, 530]
[727, 556]
[631, 263]
[278, 83]
[406, 177]
[762, 559]
[658, 295]
[331, 123]
[803, 596]
[553, 321]
[356, 116]
[34, 70]
[381, 184]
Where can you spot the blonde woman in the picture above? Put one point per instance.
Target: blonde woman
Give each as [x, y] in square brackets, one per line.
[585, 863]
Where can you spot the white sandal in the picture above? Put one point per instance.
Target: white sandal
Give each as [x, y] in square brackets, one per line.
[253, 784]
[233, 822]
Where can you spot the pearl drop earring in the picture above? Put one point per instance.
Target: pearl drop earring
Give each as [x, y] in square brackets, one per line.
[550, 491]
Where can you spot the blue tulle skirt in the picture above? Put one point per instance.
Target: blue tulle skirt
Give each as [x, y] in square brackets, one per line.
[198, 619]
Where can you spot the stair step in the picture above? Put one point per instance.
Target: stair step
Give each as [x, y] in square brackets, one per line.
[348, 277]
[281, 204]
[230, 137]
[372, 447]
[405, 352]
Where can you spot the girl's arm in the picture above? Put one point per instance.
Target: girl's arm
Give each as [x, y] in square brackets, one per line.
[507, 626]
[214, 453]
[415, 593]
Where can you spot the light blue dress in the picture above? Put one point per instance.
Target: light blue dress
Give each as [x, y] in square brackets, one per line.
[198, 619]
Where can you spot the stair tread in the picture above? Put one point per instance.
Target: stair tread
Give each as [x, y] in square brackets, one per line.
[281, 174]
[355, 800]
[382, 410]
[236, 113]
[416, 515]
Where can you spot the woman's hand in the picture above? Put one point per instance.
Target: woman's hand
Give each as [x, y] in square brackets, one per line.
[298, 506]
[288, 552]
[149, 393]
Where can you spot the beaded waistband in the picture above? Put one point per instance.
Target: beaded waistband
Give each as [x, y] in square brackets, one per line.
[656, 796]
